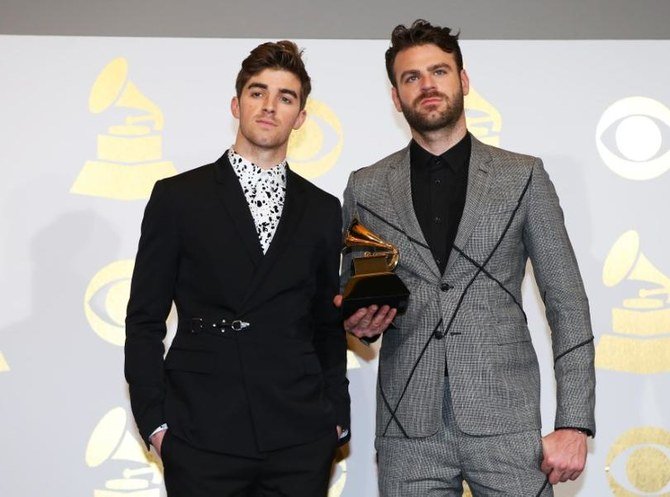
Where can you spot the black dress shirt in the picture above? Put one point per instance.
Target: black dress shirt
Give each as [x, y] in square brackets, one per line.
[439, 185]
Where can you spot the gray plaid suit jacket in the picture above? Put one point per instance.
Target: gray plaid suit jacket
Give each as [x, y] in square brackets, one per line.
[471, 317]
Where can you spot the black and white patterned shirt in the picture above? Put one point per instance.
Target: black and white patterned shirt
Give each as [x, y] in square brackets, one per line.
[265, 190]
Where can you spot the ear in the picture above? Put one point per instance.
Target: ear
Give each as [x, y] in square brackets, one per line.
[465, 82]
[300, 119]
[396, 99]
[235, 107]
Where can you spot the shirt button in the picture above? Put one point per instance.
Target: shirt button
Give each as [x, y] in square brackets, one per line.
[437, 181]
[445, 287]
[437, 219]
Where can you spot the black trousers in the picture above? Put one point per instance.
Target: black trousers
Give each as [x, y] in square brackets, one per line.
[299, 471]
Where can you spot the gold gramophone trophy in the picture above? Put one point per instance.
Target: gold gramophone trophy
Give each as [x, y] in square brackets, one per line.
[373, 282]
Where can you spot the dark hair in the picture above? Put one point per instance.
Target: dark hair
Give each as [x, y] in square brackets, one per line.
[421, 33]
[284, 55]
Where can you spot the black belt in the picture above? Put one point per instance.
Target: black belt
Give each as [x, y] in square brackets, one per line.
[199, 325]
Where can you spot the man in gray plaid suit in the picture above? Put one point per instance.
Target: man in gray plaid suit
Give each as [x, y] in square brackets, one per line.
[458, 387]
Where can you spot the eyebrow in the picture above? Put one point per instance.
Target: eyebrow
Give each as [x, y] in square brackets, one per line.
[441, 65]
[263, 86]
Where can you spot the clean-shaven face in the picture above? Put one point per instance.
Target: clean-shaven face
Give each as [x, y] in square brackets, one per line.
[430, 88]
[268, 109]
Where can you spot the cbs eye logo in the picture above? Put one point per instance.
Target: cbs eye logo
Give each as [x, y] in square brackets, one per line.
[638, 464]
[106, 299]
[314, 148]
[632, 138]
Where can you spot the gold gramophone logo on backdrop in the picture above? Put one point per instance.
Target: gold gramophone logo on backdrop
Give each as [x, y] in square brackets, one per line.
[106, 299]
[4, 366]
[111, 441]
[641, 325]
[314, 148]
[638, 463]
[130, 155]
[483, 119]
[629, 138]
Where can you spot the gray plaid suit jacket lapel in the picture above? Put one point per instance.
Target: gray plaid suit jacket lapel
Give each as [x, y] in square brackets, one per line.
[400, 186]
[479, 183]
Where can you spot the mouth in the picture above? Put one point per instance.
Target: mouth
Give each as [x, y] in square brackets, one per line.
[266, 123]
[433, 100]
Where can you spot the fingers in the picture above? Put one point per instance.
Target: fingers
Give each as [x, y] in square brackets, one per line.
[355, 319]
[157, 441]
[557, 476]
[370, 321]
[389, 318]
[337, 301]
[364, 320]
[558, 472]
[545, 467]
[562, 461]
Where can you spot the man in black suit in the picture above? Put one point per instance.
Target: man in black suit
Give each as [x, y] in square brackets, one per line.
[252, 396]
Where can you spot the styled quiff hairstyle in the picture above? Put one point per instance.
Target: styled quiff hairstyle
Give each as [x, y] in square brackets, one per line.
[421, 33]
[282, 55]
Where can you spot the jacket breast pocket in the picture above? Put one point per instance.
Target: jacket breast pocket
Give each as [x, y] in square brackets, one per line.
[192, 361]
[498, 206]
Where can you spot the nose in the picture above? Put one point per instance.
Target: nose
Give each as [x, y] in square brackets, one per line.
[427, 82]
[269, 104]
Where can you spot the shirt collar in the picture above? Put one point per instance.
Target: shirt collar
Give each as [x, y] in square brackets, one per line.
[248, 171]
[456, 158]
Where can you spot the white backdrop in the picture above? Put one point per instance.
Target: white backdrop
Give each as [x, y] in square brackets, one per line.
[78, 163]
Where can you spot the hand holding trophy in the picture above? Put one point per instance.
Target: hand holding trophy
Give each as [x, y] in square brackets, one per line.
[373, 281]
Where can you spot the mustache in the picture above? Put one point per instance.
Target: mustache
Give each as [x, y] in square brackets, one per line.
[429, 94]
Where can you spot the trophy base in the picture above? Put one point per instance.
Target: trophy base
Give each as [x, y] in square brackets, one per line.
[374, 289]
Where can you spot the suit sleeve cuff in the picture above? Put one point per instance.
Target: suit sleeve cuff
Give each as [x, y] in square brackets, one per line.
[585, 431]
[162, 427]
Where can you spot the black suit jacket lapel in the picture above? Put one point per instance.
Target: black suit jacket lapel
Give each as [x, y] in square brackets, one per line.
[232, 196]
[292, 213]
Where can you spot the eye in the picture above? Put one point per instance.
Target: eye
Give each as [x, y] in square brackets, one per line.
[440, 72]
[639, 463]
[256, 94]
[286, 100]
[106, 299]
[633, 138]
[411, 78]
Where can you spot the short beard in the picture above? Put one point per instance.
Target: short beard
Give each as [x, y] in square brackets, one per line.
[445, 119]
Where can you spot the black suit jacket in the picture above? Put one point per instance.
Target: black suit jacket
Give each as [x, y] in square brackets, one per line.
[278, 383]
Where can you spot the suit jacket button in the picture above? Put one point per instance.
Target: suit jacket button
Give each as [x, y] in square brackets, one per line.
[445, 287]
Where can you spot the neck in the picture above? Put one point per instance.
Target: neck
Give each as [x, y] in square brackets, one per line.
[439, 141]
[265, 158]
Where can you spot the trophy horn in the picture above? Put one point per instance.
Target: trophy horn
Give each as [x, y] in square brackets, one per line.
[359, 236]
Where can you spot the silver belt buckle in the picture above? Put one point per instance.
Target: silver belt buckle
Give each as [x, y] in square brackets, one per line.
[238, 325]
